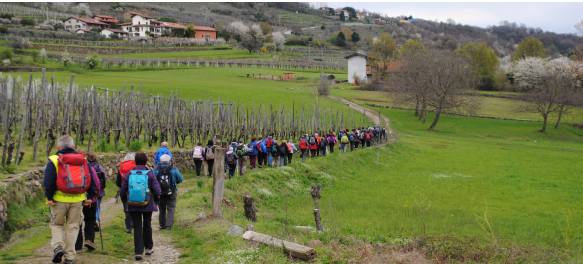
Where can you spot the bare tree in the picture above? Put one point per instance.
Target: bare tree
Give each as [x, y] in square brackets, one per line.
[439, 80]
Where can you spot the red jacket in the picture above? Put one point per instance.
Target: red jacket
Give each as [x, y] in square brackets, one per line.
[317, 143]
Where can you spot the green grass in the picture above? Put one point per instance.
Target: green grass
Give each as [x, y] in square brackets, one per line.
[199, 54]
[490, 106]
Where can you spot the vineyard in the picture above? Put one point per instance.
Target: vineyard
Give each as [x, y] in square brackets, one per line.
[45, 109]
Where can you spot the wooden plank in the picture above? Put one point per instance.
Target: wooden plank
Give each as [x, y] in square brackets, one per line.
[293, 249]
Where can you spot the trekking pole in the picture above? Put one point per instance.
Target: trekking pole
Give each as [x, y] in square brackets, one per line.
[51, 213]
[100, 227]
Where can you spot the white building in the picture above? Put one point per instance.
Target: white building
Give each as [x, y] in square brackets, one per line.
[357, 67]
[120, 33]
[73, 24]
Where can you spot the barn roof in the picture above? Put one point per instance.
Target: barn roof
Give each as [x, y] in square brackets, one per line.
[357, 54]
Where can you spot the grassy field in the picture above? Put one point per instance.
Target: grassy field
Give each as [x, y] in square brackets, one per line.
[199, 54]
[490, 106]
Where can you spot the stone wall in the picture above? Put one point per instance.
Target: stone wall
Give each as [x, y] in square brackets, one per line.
[17, 187]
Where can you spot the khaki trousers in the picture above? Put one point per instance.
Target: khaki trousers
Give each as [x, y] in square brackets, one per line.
[72, 214]
[242, 165]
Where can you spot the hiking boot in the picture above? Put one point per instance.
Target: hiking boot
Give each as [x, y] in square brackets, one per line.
[96, 227]
[138, 257]
[168, 228]
[89, 245]
[162, 228]
[58, 254]
[259, 166]
[149, 251]
[78, 251]
[129, 231]
[69, 261]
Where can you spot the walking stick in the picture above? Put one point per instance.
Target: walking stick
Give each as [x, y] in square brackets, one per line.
[100, 227]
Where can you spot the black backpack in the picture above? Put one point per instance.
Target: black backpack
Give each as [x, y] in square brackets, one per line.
[239, 151]
[165, 178]
[100, 176]
[283, 149]
[231, 159]
[323, 142]
[312, 140]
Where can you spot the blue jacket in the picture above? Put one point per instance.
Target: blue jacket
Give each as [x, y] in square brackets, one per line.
[176, 176]
[152, 205]
[50, 180]
[253, 147]
[263, 147]
[161, 151]
[233, 145]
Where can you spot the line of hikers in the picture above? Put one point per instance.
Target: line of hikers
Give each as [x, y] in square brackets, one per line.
[270, 152]
[75, 184]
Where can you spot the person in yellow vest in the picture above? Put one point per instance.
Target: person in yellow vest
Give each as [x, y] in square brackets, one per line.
[64, 198]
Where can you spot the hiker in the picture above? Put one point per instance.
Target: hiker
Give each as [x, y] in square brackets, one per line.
[143, 199]
[231, 161]
[197, 154]
[89, 213]
[362, 136]
[252, 152]
[385, 133]
[168, 177]
[241, 151]
[262, 154]
[332, 141]
[161, 151]
[275, 153]
[323, 146]
[318, 139]
[353, 140]
[209, 157]
[283, 151]
[344, 141]
[268, 143]
[313, 142]
[65, 200]
[304, 145]
[126, 166]
[102, 176]
[292, 149]
[368, 136]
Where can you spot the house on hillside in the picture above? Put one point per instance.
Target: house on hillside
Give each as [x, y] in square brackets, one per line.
[357, 67]
[119, 32]
[105, 19]
[360, 16]
[73, 24]
[205, 32]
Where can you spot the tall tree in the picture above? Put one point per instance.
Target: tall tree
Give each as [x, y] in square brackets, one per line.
[340, 39]
[442, 78]
[529, 47]
[411, 47]
[253, 39]
[355, 37]
[190, 32]
[342, 17]
[483, 59]
[385, 50]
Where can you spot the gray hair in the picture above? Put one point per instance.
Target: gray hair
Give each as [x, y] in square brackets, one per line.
[230, 148]
[129, 156]
[66, 142]
[165, 158]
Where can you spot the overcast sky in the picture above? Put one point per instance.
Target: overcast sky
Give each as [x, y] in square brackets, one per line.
[555, 17]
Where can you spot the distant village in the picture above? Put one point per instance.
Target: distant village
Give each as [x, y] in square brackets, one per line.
[140, 26]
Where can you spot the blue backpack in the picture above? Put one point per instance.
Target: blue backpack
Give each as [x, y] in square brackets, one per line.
[139, 192]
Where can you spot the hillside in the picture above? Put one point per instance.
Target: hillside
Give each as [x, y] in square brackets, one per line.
[300, 18]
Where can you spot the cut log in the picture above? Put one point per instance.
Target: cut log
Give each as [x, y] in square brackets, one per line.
[304, 228]
[293, 249]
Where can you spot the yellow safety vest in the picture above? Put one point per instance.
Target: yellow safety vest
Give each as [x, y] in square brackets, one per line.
[61, 196]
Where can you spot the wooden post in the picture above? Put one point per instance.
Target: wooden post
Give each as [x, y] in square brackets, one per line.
[218, 182]
[316, 195]
[250, 208]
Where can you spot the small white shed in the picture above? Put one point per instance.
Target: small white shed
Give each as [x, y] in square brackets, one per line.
[357, 67]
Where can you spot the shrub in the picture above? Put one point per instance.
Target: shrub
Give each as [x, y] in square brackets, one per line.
[324, 85]
[103, 147]
[6, 54]
[6, 16]
[34, 55]
[10, 169]
[136, 146]
[27, 22]
[4, 29]
[6, 62]
[66, 58]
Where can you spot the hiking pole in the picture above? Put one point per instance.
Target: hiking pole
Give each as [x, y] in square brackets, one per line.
[100, 227]
[51, 213]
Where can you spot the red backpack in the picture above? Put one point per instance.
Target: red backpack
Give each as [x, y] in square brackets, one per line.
[303, 144]
[367, 135]
[73, 174]
[268, 143]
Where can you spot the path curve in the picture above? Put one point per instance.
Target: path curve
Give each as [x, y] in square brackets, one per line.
[370, 114]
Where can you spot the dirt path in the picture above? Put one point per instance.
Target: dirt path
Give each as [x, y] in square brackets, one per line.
[370, 114]
[164, 251]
